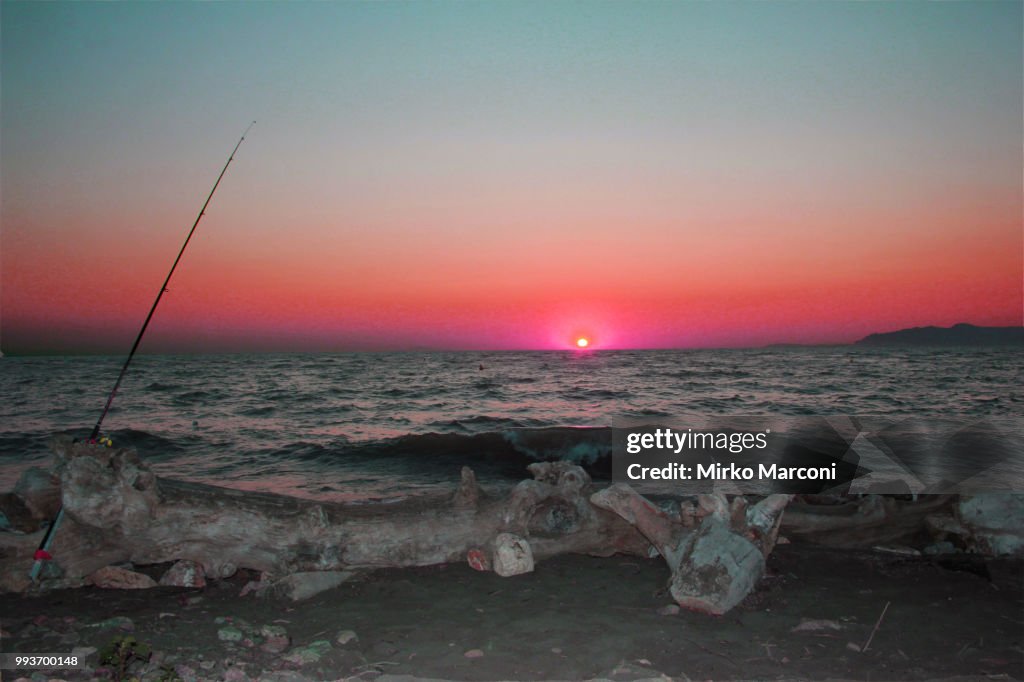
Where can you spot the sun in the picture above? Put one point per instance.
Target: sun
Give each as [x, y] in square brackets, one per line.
[582, 342]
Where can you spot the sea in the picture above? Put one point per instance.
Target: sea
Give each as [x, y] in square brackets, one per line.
[380, 427]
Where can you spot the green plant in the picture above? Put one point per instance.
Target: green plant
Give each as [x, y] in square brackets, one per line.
[168, 674]
[122, 651]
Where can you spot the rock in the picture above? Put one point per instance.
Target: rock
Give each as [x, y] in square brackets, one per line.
[119, 622]
[276, 639]
[113, 577]
[186, 673]
[474, 653]
[995, 522]
[83, 652]
[229, 634]
[808, 625]
[669, 610]
[235, 675]
[478, 560]
[346, 636]
[184, 573]
[310, 653]
[512, 555]
[39, 491]
[299, 586]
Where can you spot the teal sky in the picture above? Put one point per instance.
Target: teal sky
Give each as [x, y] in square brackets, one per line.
[571, 163]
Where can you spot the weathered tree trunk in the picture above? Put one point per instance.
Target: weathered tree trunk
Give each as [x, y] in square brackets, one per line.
[116, 510]
[716, 551]
[863, 522]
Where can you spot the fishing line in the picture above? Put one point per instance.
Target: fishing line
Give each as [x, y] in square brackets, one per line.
[42, 554]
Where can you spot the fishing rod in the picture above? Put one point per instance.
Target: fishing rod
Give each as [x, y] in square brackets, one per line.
[42, 554]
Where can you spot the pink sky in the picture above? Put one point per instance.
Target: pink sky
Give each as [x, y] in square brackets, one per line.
[496, 181]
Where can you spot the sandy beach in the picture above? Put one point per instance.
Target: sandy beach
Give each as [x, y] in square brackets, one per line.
[575, 617]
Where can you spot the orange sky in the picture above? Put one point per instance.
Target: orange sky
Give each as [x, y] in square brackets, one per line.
[508, 176]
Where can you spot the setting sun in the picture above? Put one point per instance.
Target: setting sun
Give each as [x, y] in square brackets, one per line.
[582, 343]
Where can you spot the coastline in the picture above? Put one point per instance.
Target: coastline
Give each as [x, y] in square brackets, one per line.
[575, 617]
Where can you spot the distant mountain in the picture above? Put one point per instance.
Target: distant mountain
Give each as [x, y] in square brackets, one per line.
[958, 335]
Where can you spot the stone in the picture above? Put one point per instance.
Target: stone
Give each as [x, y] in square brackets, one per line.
[995, 522]
[276, 639]
[184, 573]
[512, 555]
[820, 625]
[235, 675]
[478, 560]
[83, 652]
[114, 577]
[346, 636]
[669, 610]
[119, 622]
[474, 653]
[229, 634]
[186, 673]
[310, 653]
[299, 586]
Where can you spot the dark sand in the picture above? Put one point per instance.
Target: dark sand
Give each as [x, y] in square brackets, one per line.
[573, 618]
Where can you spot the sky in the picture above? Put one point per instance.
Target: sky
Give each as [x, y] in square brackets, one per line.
[507, 175]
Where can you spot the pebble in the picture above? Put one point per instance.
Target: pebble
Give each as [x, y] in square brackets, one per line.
[346, 636]
[185, 672]
[276, 639]
[235, 675]
[311, 653]
[474, 653]
[229, 634]
[808, 625]
[121, 622]
[669, 610]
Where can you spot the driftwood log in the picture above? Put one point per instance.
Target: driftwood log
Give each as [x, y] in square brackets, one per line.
[116, 510]
[863, 521]
[716, 550]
